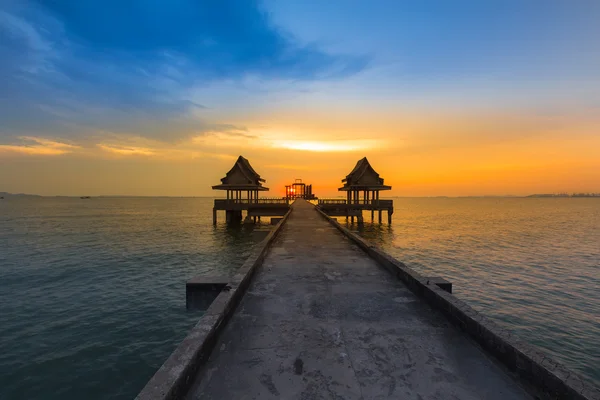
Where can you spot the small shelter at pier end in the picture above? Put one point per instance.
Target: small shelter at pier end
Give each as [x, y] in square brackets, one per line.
[299, 190]
[362, 186]
[363, 179]
[242, 184]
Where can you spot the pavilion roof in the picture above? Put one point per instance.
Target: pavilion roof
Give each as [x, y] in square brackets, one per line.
[241, 177]
[363, 177]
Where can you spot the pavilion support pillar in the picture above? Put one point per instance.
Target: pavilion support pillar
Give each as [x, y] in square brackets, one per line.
[349, 199]
[233, 216]
[214, 216]
[380, 216]
[390, 212]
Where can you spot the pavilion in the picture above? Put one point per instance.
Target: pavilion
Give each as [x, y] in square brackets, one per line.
[299, 190]
[363, 179]
[362, 186]
[242, 180]
[242, 185]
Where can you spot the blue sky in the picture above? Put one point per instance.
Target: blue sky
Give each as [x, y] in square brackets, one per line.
[125, 77]
[121, 61]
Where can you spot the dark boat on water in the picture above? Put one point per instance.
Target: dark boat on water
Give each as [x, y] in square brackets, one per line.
[85, 197]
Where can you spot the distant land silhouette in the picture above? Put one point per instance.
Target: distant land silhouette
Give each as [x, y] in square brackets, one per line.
[566, 195]
[6, 194]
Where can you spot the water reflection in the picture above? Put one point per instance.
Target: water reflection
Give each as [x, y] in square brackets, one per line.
[379, 234]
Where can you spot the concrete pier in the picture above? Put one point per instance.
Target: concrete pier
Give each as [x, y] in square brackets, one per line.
[323, 320]
[317, 312]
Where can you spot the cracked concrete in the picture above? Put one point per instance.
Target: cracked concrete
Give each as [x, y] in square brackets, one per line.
[321, 320]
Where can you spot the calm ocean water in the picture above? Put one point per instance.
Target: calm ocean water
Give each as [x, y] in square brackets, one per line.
[531, 264]
[92, 296]
[92, 292]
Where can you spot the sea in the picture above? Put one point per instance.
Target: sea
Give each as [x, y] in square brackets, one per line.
[92, 291]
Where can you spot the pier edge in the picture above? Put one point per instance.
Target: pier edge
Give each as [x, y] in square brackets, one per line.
[550, 378]
[176, 375]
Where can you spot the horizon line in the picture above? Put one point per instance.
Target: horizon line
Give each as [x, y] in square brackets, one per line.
[538, 195]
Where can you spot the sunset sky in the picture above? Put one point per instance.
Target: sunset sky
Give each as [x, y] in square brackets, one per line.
[136, 97]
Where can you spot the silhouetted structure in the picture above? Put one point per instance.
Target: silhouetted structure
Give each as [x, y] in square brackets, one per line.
[362, 186]
[242, 184]
[299, 190]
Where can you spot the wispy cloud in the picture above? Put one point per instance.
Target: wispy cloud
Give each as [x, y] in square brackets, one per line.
[127, 151]
[65, 71]
[38, 146]
[138, 147]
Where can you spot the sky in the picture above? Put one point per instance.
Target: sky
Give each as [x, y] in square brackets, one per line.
[454, 98]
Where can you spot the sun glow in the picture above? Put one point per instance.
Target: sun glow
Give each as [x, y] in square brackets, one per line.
[330, 146]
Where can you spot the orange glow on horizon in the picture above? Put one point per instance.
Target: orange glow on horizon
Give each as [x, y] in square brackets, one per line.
[418, 155]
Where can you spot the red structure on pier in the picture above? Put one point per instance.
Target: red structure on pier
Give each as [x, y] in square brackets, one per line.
[299, 190]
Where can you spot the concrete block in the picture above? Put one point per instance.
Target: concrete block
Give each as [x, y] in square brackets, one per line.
[259, 234]
[441, 283]
[200, 291]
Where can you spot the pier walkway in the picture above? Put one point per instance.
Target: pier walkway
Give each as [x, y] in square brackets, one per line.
[322, 320]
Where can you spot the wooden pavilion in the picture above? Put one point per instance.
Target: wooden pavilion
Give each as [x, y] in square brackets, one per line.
[363, 179]
[362, 186]
[242, 184]
[242, 180]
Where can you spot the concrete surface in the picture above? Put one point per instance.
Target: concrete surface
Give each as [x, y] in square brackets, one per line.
[550, 379]
[322, 320]
[201, 291]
